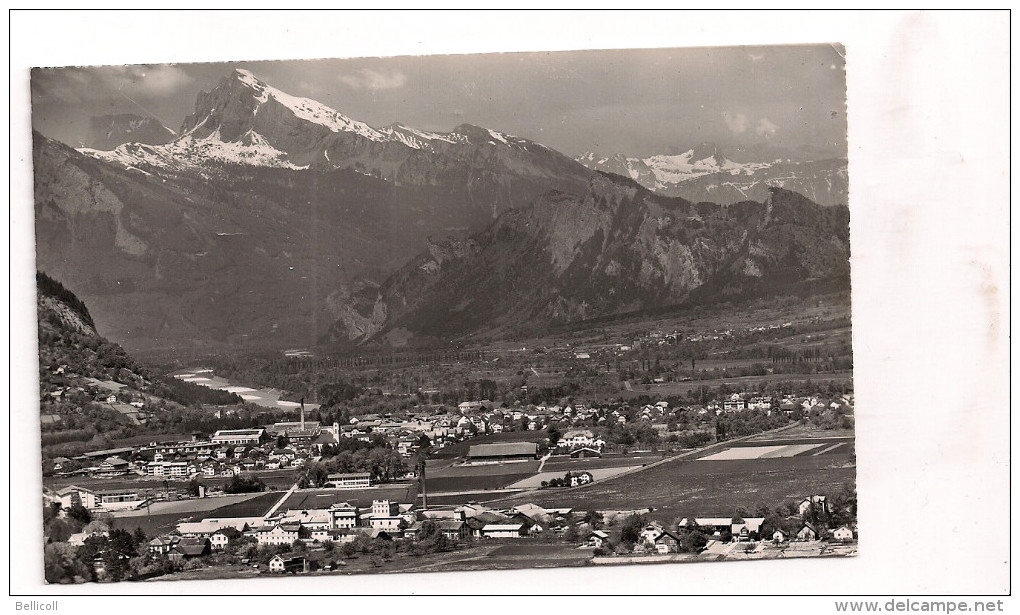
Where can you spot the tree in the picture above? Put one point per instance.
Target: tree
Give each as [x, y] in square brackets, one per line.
[692, 540]
[429, 530]
[554, 436]
[79, 513]
[194, 486]
[594, 519]
[282, 441]
[631, 530]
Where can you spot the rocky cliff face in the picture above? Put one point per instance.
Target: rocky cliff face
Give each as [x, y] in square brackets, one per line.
[616, 249]
[108, 131]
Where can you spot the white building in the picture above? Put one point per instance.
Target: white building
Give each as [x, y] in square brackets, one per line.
[504, 530]
[239, 436]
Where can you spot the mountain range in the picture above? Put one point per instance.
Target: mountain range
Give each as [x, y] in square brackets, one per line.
[704, 173]
[274, 221]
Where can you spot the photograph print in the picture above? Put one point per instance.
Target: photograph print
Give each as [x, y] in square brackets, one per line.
[423, 313]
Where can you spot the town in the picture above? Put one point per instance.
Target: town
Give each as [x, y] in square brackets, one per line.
[403, 489]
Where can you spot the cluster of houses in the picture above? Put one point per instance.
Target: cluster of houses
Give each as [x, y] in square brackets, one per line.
[345, 521]
[787, 404]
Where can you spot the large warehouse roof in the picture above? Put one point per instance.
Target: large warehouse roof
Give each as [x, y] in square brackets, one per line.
[504, 449]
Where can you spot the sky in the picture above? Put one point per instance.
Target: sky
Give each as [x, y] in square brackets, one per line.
[634, 102]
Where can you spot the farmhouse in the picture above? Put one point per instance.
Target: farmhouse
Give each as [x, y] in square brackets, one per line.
[113, 466]
[667, 542]
[843, 534]
[581, 478]
[292, 563]
[807, 532]
[596, 539]
[650, 532]
[505, 451]
[815, 501]
[163, 545]
[221, 539]
[454, 530]
[189, 548]
[720, 525]
[77, 540]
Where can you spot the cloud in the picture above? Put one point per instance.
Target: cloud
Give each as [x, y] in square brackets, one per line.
[369, 79]
[737, 122]
[83, 84]
[766, 128]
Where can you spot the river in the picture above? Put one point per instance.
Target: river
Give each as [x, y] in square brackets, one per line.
[268, 398]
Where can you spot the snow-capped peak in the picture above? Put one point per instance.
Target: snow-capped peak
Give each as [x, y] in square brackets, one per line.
[308, 109]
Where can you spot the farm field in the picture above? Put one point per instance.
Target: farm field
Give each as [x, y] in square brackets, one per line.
[454, 478]
[490, 555]
[473, 483]
[255, 507]
[563, 463]
[153, 526]
[187, 507]
[806, 433]
[772, 451]
[534, 482]
[707, 487]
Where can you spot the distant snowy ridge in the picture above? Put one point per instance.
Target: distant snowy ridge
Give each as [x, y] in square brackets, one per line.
[663, 171]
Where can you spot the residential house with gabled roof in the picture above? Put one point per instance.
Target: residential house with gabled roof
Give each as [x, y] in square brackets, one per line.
[162, 545]
[221, 538]
[843, 534]
[808, 532]
[650, 532]
[596, 539]
[666, 542]
[454, 529]
[190, 548]
[817, 502]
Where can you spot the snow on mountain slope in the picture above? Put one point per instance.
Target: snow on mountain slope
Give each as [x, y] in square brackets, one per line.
[188, 153]
[308, 109]
[663, 171]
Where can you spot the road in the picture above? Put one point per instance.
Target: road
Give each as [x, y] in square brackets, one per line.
[280, 502]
